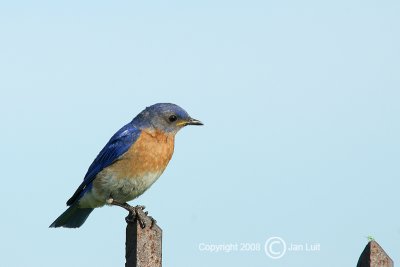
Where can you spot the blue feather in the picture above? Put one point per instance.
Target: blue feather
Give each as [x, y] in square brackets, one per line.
[73, 217]
[119, 143]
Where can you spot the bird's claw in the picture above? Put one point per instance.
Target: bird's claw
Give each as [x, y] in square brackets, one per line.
[136, 215]
[153, 222]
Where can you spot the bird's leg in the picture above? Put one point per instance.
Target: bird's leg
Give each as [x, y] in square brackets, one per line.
[122, 205]
[135, 213]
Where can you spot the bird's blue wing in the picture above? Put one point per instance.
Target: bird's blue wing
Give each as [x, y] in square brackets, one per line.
[119, 143]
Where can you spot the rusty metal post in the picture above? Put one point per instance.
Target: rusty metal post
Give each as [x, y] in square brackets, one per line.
[143, 245]
[374, 256]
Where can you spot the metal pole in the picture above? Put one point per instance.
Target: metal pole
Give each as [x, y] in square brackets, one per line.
[143, 245]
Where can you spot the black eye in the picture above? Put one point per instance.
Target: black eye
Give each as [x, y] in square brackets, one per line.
[172, 118]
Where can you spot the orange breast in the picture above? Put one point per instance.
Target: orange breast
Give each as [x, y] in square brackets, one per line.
[151, 153]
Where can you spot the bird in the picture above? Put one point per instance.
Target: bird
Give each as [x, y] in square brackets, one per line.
[131, 161]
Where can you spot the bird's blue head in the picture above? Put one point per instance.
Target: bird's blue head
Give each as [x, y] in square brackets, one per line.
[165, 117]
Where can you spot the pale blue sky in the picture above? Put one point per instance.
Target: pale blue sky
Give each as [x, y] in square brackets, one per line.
[300, 101]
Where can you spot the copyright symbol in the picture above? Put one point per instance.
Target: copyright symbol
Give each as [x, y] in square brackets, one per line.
[275, 247]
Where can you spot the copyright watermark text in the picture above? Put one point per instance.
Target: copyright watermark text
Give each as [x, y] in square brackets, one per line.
[229, 247]
[274, 247]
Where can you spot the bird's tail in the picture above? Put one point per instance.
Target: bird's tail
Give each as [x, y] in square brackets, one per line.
[73, 217]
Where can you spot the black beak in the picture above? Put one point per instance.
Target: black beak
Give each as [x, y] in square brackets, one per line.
[194, 122]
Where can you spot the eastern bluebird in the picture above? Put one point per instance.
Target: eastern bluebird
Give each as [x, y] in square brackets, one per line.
[129, 164]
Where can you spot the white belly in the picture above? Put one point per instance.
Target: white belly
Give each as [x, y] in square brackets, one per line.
[119, 189]
[123, 190]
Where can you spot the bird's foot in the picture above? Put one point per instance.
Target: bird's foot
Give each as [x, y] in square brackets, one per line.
[136, 214]
[153, 222]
